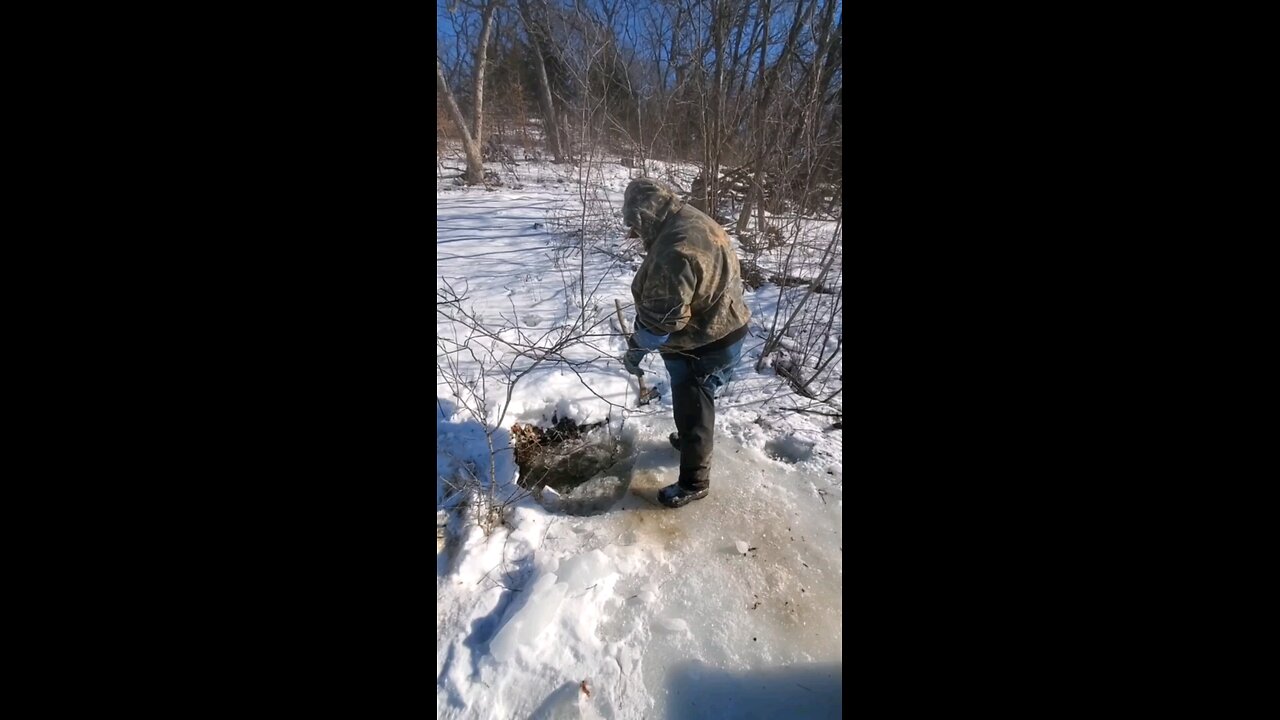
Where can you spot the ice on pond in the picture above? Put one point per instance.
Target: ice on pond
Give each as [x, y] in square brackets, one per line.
[593, 496]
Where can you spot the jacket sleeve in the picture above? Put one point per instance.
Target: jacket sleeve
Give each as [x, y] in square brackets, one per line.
[663, 306]
[646, 339]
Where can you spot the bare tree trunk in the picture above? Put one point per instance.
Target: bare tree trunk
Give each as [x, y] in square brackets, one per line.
[717, 109]
[752, 193]
[475, 163]
[758, 183]
[473, 136]
[757, 193]
[482, 55]
[766, 139]
[537, 36]
[552, 129]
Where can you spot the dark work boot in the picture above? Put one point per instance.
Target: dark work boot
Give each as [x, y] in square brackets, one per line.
[674, 496]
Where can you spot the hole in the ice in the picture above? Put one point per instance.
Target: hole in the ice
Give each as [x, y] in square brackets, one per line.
[789, 449]
[571, 468]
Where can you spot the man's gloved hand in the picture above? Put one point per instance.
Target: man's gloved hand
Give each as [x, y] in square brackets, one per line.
[632, 357]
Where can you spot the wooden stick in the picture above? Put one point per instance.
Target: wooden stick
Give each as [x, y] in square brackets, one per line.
[644, 392]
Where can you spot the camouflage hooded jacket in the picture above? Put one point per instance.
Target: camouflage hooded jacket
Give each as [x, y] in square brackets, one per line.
[690, 284]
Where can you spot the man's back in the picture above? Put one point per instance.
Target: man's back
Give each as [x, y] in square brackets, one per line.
[690, 283]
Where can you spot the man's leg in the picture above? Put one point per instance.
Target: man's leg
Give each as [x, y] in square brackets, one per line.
[696, 421]
[687, 404]
[694, 385]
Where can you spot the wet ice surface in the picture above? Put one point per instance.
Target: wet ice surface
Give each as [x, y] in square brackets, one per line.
[661, 611]
[762, 611]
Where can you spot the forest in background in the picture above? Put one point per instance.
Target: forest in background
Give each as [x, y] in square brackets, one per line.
[750, 91]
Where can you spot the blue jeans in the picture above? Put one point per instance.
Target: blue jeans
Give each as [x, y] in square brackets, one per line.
[695, 382]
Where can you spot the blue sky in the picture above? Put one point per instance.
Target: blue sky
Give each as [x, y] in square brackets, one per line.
[448, 45]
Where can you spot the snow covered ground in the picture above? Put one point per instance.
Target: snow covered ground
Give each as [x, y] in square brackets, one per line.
[730, 607]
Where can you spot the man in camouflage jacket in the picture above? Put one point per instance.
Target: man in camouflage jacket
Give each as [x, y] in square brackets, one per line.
[689, 307]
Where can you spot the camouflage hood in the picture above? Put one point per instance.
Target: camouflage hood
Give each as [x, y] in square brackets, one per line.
[646, 205]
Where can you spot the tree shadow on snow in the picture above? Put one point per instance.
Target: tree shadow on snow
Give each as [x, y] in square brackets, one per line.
[807, 690]
[515, 578]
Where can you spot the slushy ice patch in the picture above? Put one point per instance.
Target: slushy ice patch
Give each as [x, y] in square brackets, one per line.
[571, 468]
